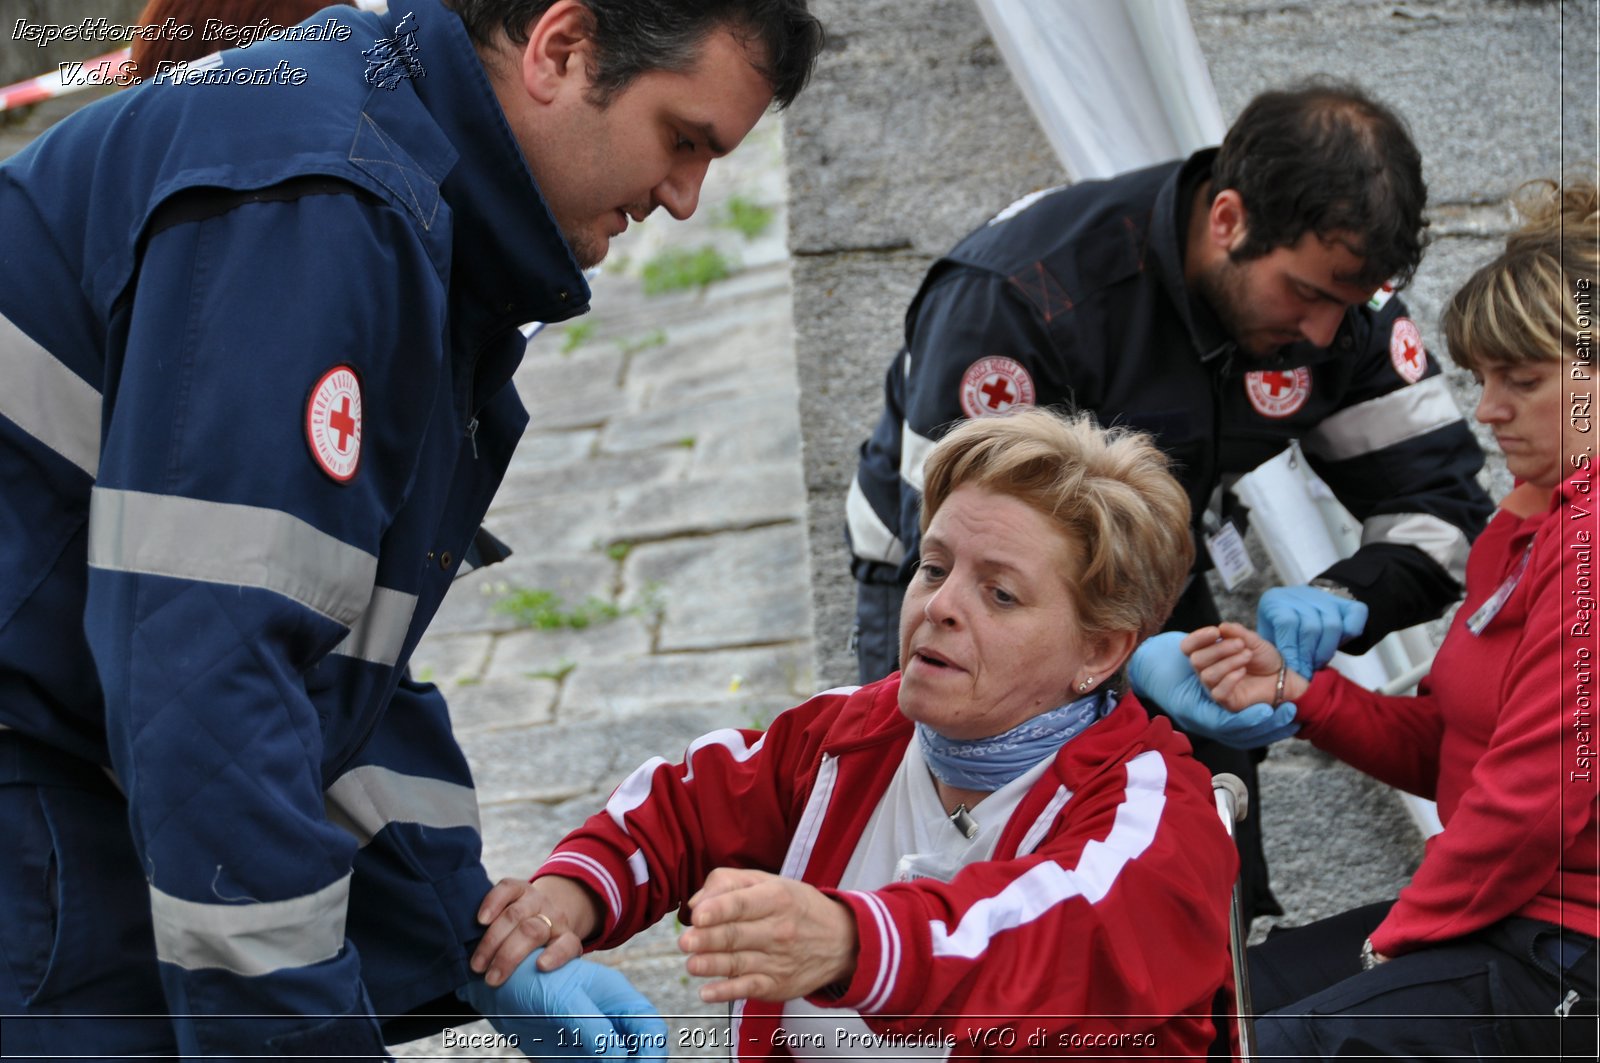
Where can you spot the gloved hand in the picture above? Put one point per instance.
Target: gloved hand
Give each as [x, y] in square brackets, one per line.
[579, 1009]
[1308, 625]
[1160, 674]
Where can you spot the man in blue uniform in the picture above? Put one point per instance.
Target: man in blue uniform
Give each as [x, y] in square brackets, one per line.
[1228, 304]
[258, 324]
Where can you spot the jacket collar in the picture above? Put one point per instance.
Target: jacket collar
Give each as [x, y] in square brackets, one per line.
[1169, 232]
[509, 259]
[1569, 502]
[877, 721]
[1578, 487]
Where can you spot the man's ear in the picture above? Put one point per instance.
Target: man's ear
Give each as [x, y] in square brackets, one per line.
[559, 54]
[1227, 222]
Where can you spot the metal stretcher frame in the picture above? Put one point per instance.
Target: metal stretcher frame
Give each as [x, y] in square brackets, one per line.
[1233, 804]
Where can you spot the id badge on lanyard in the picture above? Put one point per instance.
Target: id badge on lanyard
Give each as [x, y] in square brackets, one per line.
[1491, 608]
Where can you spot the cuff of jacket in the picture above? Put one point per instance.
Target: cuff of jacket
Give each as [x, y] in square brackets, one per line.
[1317, 706]
[595, 867]
[880, 959]
[1388, 940]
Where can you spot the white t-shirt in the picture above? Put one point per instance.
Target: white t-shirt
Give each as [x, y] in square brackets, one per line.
[909, 836]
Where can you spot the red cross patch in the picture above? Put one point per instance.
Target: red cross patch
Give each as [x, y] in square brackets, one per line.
[991, 386]
[333, 423]
[1278, 392]
[1405, 350]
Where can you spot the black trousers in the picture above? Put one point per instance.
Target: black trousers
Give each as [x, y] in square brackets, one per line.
[877, 649]
[1497, 993]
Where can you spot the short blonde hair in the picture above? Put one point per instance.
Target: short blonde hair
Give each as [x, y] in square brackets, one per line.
[1109, 490]
[1535, 301]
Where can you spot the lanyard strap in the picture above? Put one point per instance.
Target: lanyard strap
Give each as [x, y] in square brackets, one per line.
[1489, 609]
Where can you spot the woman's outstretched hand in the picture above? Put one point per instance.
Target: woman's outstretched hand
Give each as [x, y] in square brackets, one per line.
[1163, 677]
[1239, 668]
[766, 937]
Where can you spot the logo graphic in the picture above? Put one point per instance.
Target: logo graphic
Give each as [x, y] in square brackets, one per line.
[992, 386]
[1278, 392]
[1405, 350]
[391, 60]
[333, 423]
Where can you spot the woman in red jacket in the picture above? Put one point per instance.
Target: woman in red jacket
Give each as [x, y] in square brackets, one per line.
[991, 852]
[1490, 949]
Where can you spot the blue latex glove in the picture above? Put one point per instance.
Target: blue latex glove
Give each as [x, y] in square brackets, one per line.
[1308, 625]
[1161, 675]
[579, 1009]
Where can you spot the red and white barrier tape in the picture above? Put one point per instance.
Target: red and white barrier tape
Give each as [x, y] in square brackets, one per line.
[68, 78]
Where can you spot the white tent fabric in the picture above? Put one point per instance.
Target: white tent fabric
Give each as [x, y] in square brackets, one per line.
[1115, 84]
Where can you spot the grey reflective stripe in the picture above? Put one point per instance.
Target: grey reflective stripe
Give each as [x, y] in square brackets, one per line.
[381, 632]
[47, 400]
[1384, 421]
[250, 939]
[221, 542]
[1023, 204]
[913, 455]
[870, 537]
[367, 799]
[1439, 539]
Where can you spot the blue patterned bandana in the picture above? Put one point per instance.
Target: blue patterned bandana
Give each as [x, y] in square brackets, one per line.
[987, 764]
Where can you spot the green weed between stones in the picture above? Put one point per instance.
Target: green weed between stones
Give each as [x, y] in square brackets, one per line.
[575, 336]
[547, 611]
[556, 672]
[679, 269]
[748, 218]
[653, 338]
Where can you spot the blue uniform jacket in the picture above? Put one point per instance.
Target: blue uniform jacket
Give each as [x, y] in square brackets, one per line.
[189, 594]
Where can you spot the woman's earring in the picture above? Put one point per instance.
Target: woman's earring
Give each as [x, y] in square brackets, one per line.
[1083, 687]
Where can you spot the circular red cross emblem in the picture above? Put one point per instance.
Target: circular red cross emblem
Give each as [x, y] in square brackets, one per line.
[1278, 392]
[1405, 350]
[992, 386]
[333, 423]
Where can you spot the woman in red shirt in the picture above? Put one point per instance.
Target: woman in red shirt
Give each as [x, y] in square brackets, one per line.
[1490, 949]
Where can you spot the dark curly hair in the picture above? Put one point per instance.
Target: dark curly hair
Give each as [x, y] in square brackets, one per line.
[1324, 157]
[633, 37]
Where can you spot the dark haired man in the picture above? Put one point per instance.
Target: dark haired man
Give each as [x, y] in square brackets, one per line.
[257, 334]
[1227, 304]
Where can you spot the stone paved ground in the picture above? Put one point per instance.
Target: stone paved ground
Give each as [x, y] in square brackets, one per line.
[660, 475]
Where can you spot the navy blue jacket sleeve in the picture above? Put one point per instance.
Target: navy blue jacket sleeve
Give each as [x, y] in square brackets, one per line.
[224, 562]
